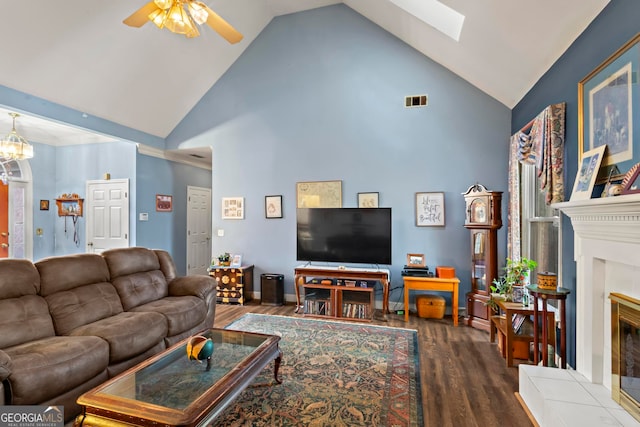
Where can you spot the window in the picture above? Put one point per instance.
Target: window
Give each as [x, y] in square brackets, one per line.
[541, 225]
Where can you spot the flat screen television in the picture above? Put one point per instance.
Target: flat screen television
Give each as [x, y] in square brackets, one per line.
[344, 235]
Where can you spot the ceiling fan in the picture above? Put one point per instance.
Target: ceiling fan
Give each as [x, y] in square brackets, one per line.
[180, 16]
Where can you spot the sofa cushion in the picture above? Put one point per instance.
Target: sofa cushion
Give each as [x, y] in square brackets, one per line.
[24, 319]
[135, 273]
[140, 288]
[19, 278]
[77, 290]
[124, 261]
[24, 315]
[5, 365]
[182, 313]
[127, 333]
[45, 368]
[81, 306]
[167, 266]
[63, 273]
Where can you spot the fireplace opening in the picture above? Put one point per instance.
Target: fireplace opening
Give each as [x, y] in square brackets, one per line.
[625, 352]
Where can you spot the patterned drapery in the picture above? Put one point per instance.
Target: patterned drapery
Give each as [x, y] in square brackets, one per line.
[543, 147]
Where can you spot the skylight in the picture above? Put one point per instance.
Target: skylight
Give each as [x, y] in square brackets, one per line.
[433, 13]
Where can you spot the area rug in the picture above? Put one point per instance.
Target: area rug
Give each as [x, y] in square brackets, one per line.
[334, 374]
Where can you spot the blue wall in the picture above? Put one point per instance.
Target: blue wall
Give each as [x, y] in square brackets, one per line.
[319, 95]
[617, 24]
[43, 171]
[166, 230]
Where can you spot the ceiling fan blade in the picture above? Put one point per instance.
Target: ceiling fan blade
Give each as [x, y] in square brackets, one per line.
[221, 26]
[141, 16]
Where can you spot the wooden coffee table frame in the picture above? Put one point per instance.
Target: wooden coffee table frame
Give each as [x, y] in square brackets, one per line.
[100, 409]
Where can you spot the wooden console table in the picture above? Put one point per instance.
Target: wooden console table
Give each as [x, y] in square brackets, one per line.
[350, 273]
[432, 284]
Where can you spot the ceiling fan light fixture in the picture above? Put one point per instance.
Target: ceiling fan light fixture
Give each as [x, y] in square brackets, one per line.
[158, 17]
[178, 21]
[14, 146]
[163, 4]
[198, 12]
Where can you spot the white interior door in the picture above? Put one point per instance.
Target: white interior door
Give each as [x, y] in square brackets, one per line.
[198, 230]
[107, 213]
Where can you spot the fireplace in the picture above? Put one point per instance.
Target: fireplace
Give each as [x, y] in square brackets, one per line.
[625, 355]
[607, 256]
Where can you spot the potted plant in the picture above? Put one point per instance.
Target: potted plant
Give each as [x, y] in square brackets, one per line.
[515, 274]
[224, 259]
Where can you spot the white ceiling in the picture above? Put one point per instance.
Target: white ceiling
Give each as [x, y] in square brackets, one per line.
[77, 53]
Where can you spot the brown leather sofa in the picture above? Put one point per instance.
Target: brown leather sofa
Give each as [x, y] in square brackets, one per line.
[69, 323]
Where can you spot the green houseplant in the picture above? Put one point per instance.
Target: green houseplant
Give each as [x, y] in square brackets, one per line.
[224, 259]
[515, 274]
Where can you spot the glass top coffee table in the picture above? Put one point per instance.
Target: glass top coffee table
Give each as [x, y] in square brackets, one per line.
[169, 389]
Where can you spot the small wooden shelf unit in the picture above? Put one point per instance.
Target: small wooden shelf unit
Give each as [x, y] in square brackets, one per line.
[340, 301]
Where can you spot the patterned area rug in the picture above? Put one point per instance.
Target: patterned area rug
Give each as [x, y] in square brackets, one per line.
[334, 374]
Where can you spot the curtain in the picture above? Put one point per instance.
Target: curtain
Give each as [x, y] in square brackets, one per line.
[544, 148]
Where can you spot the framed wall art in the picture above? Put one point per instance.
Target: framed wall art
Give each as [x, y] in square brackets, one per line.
[587, 172]
[608, 103]
[430, 209]
[164, 203]
[233, 208]
[273, 206]
[319, 194]
[416, 261]
[368, 200]
[44, 205]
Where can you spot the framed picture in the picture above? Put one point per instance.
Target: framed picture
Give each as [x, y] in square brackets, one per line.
[430, 209]
[164, 203]
[44, 205]
[273, 206]
[367, 200]
[416, 260]
[587, 172]
[607, 105]
[319, 194]
[236, 260]
[233, 208]
[631, 183]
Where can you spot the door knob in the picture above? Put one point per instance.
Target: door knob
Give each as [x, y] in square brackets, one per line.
[4, 245]
[4, 234]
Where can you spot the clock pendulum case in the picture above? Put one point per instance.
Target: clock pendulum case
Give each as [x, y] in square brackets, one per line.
[483, 218]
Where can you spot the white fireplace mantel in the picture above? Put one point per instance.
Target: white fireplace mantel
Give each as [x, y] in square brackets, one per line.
[607, 256]
[609, 218]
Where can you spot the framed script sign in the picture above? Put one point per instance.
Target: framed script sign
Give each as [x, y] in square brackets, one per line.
[430, 209]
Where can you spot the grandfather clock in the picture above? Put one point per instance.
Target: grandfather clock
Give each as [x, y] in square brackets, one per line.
[483, 218]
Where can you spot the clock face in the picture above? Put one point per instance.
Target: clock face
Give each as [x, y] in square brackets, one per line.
[478, 211]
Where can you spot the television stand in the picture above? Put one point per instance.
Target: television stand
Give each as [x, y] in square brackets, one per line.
[350, 273]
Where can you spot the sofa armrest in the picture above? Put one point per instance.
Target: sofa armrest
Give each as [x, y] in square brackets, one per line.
[5, 365]
[203, 287]
[199, 286]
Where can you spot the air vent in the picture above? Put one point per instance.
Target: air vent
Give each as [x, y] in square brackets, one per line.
[416, 101]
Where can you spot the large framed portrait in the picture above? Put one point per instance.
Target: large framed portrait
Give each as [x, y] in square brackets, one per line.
[608, 107]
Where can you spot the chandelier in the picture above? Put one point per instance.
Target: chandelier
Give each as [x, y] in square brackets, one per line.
[14, 146]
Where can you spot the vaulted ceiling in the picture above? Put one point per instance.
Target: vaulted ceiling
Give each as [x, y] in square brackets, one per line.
[79, 54]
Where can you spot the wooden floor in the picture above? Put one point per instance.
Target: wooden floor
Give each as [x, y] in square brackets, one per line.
[465, 382]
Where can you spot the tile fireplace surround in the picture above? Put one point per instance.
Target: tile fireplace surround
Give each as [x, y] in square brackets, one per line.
[607, 255]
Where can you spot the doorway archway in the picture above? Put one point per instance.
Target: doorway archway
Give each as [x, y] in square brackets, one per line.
[16, 209]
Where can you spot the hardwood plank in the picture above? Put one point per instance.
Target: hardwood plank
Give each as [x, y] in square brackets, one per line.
[464, 380]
